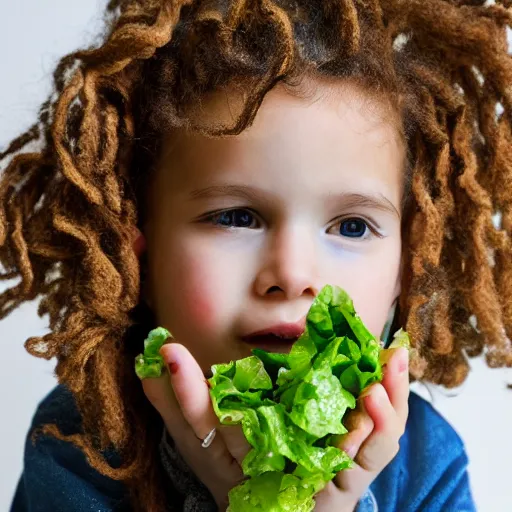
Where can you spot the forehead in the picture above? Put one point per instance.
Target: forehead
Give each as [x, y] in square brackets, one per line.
[322, 134]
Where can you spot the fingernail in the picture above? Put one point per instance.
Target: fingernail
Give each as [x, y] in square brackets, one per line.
[365, 392]
[173, 367]
[170, 358]
[403, 360]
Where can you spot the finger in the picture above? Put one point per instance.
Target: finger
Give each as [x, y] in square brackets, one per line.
[382, 444]
[360, 426]
[330, 498]
[215, 466]
[191, 389]
[159, 392]
[236, 442]
[377, 404]
[191, 392]
[396, 382]
[193, 395]
[161, 395]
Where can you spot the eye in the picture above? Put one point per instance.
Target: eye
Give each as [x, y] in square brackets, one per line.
[353, 227]
[235, 218]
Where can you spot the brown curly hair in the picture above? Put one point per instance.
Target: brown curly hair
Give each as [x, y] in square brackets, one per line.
[70, 192]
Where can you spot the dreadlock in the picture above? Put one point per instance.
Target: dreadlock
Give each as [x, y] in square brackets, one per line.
[70, 188]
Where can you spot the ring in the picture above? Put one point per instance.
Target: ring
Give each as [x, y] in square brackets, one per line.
[208, 440]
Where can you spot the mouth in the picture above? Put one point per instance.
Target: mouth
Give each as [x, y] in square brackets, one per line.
[278, 338]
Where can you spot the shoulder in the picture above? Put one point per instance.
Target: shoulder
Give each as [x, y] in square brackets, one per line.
[428, 430]
[50, 463]
[430, 470]
[58, 408]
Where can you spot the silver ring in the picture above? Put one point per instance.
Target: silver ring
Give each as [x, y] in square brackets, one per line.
[208, 440]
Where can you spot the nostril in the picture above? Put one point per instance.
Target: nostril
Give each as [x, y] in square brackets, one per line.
[274, 289]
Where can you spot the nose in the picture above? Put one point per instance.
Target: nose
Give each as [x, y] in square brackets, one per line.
[289, 269]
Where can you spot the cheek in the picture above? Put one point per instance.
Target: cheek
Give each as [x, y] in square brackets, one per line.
[195, 297]
[371, 282]
[374, 310]
[374, 300]
[196, 286]
[199, 298]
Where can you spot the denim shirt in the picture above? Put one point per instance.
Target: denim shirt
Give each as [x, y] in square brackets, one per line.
[428, 474]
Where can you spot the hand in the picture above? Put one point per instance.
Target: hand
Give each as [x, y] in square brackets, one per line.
[182, 398]
[376, 425]
[375, 428]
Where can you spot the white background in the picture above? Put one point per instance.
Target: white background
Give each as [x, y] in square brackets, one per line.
[33, 35]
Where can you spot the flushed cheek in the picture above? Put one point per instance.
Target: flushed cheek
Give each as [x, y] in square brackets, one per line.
[197, 298]
[200, 306]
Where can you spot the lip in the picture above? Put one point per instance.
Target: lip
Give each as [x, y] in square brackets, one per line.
[279, 337]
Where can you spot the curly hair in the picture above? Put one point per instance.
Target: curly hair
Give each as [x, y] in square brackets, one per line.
[70, 191]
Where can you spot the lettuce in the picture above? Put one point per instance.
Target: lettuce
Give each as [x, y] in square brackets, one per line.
[290, 406]
[150, 363]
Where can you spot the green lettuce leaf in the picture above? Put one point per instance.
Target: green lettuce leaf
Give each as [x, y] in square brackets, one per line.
[400, 340]
[250, 373]
[273, 492]
[272, 361]
[320, 403]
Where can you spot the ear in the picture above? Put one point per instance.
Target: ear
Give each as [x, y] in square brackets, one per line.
[139, 245]
[398, 284]
[138, 242]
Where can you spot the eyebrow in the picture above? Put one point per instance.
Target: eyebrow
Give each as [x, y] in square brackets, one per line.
[373, 201]
[348, 199]
[242, 191]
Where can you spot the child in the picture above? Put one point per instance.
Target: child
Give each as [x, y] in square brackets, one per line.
[209, 168]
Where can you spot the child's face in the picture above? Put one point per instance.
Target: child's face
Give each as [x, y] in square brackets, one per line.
[243, 231]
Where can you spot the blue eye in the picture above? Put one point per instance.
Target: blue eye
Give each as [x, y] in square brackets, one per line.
[353, 228]
[236, 218]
